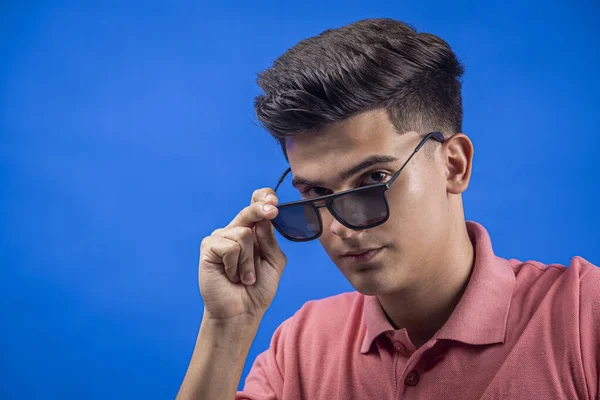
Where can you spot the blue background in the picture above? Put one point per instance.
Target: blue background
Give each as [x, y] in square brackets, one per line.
[127, 135]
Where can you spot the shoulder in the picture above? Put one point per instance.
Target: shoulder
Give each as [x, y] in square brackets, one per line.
[589, 272]
[556, 293]
[589, 295]
[589, 328]
[315, 332]
[328, 315]
[327, 308]
[537, 275]
[322, 322]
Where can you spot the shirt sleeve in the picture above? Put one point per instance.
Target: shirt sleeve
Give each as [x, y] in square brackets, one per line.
[589, 329]
[265, 379]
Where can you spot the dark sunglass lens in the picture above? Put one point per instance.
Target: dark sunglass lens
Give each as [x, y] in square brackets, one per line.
[362, 208]
[298, 222]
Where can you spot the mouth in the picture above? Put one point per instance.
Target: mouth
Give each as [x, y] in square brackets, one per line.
[360, 256]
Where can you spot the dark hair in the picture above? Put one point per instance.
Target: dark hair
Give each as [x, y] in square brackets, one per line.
[370, 64]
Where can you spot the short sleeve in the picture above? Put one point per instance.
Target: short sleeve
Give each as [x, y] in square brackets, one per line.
[589, 329]
[265, 379]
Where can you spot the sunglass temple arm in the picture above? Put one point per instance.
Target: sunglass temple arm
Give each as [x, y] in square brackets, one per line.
[282, 177]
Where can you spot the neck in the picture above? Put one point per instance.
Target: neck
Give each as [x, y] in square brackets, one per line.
[424, 307]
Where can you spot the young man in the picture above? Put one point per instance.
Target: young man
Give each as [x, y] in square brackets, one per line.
[369, 117]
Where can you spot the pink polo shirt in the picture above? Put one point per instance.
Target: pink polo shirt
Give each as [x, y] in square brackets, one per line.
[522, 330]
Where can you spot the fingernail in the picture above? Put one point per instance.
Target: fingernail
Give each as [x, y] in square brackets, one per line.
[271, 199]
[249, 278]
[268, 207]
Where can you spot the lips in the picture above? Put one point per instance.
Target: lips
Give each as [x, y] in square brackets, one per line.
[358, 252]
[360, 257]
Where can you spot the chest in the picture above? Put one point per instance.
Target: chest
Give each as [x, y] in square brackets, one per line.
[529, 367]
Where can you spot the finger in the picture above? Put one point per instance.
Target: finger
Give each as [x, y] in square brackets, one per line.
[270, 250]
[220, 250]
[245, 238]
[265, 194]
[255, 212]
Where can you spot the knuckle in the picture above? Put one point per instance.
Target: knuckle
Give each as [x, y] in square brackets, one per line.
[249, 212]
[235, 247]
[245, 232]
[256, 195]
[236, 233]
[246, 211]
[259, 205]
[204, 243]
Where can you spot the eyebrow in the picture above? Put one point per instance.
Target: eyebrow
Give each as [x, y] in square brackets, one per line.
[366, 163]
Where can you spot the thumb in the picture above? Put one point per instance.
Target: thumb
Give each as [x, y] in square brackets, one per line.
[265, 236]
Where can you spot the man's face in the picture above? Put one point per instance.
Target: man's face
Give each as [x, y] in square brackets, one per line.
[412, 242]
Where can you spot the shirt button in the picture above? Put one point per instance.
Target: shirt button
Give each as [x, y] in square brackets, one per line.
[412, 379]
[399, 347]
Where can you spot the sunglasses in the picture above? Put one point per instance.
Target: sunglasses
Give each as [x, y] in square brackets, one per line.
[357, 209]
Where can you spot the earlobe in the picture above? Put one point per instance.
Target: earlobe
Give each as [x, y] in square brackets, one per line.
[459, 162]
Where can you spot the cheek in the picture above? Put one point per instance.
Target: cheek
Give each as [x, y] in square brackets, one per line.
[326, 236]
[404, 199]
[416, 204]
[326, 240]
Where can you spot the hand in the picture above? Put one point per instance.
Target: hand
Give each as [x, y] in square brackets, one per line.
[241, 265]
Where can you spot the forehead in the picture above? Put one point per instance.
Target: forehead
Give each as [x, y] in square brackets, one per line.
[321, 154]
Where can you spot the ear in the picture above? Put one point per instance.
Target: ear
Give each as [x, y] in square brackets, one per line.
[459, 162]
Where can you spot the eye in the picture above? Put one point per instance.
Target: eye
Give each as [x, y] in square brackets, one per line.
[316, 191]
[374, 178]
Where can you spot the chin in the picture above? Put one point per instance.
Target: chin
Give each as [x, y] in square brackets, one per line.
[370, 286]
[368, 291]
[378, 284]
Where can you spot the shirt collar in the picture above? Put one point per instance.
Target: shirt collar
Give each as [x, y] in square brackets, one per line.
[481, 314]
[375, 321]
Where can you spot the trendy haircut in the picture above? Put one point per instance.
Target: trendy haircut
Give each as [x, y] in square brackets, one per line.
[370, 64]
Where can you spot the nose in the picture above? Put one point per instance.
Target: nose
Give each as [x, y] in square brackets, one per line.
[338, 229]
